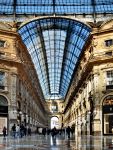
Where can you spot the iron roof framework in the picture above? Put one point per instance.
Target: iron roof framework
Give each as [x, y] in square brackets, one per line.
[60, 7]
[55, 45]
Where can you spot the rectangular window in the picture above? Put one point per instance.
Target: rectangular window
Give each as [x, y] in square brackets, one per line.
[109, 53]
[109, 79]
[54, 108]
[2, 43]
[2, 80]
[109, 42]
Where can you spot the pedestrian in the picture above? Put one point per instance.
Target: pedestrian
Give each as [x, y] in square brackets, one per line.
[54, 132]
[18, 130]
[29, 131]
[72, 130]
[25, 130]
[4, 131]
[44, 131]
[14, 130]
[21, 130]
[68, 130]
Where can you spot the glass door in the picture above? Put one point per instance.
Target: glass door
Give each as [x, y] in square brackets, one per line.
[108, 123]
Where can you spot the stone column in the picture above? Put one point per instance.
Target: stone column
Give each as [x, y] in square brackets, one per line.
[88, 122]
[12, 109]
[97, 128]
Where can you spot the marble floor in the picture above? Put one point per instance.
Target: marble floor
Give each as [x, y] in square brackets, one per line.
[39, 142]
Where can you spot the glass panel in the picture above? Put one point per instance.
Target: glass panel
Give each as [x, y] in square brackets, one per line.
[109, 77]
[107, 127]
[2, 79]
[3, 101]
[58, 6]
[55, 45]
[108, 115]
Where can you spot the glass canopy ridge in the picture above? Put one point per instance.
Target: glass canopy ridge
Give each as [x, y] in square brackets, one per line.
[55, 46]
[40, 7]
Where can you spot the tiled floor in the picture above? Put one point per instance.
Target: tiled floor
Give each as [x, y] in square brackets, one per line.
[39, 142]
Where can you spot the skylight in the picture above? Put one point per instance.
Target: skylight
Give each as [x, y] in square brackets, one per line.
[55, 46]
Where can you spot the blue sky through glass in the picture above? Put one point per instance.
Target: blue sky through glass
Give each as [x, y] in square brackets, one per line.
[55, 46]
[55, 6]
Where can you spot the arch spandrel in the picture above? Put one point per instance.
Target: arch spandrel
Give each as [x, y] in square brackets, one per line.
[107, 25]
[26, 21]
[5, 26]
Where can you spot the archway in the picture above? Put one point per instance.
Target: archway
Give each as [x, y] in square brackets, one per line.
[3, 112]
[54, 122]
[108, 115]
[55, 44]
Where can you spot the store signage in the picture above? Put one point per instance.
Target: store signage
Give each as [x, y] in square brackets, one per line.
[108, 106]
[108, 102]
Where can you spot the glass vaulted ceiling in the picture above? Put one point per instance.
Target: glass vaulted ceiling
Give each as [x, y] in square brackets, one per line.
[56, 6]
[55, 45]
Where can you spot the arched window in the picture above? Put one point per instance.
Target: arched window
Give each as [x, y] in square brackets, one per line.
[3, 101]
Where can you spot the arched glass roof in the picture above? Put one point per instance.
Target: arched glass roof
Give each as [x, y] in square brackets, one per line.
[55, 45]
[55, 6]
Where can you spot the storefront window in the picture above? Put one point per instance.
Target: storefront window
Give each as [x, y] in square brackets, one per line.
[108, 115]
[3, 112]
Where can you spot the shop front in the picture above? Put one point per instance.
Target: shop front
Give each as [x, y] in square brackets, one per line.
[108, 115]
[3, 112]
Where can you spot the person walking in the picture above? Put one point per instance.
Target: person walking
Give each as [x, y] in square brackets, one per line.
[18, 131]
[44, 131]
[14, 130]
[21, 130]
[4, 131]
[54, 132]
[68, 130]
[29, 131]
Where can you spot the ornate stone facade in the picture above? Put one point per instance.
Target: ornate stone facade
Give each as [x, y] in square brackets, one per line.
[91, 85]
[88, 103]
[19, 85]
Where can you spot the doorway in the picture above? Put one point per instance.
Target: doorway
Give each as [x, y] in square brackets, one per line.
[54, 122]
[3, 113]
